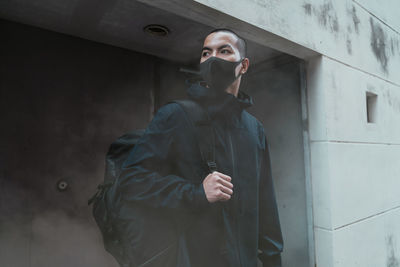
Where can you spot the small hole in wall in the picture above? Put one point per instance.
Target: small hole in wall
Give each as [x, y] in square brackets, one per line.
[371, 100]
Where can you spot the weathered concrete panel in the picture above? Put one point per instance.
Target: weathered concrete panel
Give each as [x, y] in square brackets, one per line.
[364, 180]
[353, 181]
[387, 11]
[370, 243]
[316, 99]
[323, 248]
[339, 29]
[338, 106]
[321, 188]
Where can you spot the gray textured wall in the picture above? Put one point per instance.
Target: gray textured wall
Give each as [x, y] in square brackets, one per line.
[63, 101]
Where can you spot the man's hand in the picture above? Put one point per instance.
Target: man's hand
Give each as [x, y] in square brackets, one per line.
[218, 187]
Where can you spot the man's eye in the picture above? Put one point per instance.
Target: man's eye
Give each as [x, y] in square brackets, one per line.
[225, 51]
[205, 53]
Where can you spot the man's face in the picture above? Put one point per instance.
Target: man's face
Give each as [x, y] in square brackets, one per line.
[223, 45]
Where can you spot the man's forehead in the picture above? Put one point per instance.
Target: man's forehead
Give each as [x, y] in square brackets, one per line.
[221, 38]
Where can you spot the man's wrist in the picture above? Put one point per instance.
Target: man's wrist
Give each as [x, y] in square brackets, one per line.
[200, 198]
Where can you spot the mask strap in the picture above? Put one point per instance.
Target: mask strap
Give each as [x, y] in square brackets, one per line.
[240, 73]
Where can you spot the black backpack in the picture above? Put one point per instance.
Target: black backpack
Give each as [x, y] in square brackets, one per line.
[106, 199]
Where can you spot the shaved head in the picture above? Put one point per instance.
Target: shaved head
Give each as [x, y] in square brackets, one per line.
[240, 43]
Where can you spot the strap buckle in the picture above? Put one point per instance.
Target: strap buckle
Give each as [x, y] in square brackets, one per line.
[212, 166]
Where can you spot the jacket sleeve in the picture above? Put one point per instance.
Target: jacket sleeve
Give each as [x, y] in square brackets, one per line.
[270, 242]
[146, 175]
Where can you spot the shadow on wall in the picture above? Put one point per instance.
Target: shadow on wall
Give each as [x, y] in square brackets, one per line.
[63, 101]
[47, 238]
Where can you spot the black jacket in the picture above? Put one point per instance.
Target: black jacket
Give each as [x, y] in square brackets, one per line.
[164, 173]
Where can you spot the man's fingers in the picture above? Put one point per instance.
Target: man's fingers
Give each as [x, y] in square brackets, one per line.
[218, 187]
[225, 183]
[226, 190]
[223, 176]
[223, 196]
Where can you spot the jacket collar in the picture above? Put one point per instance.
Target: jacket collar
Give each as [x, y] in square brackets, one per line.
[222, 104]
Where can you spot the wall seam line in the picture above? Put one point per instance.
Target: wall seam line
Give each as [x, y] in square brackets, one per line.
[354, 142]
[367, 218]
[375, 16]
[357, 221]
[323, 228]
[363, 71]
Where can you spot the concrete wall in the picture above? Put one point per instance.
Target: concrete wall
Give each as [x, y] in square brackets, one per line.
[63, 100]
[355, 167]
[354, 164]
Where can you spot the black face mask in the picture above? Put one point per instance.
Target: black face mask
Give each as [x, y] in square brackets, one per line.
[218, 73]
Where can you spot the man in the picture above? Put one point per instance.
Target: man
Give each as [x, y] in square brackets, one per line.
[224, 218]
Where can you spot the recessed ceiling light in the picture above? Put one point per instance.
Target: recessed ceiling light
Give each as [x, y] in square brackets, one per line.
[156, 30]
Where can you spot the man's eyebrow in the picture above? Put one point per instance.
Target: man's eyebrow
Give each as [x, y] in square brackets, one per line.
[224, 46]
[206, 48]
[219, 48]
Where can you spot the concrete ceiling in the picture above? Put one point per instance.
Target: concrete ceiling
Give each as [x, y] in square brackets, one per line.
[120, 23]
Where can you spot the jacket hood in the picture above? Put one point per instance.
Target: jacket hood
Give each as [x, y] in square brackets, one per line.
[220, 104]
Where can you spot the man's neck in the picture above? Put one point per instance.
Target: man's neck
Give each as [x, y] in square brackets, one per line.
[234, 87]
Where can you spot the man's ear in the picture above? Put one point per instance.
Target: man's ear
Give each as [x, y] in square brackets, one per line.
[245, 65]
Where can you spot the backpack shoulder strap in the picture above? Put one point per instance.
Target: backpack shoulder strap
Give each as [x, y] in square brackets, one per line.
[204, 131]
